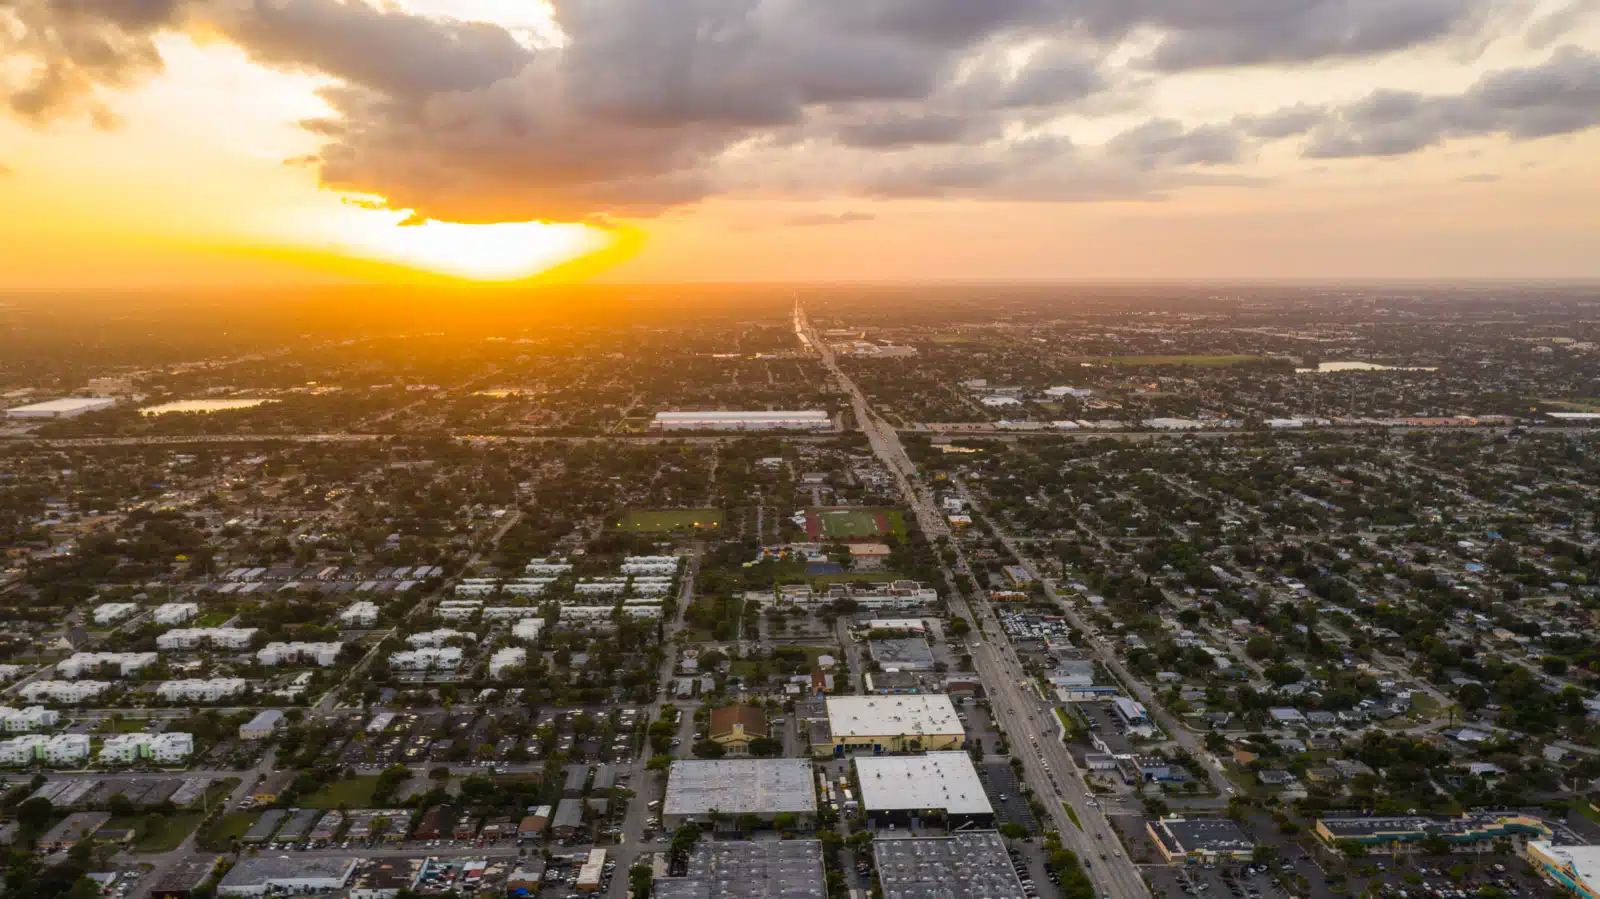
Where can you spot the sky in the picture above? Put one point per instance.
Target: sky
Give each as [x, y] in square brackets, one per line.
[263, 142]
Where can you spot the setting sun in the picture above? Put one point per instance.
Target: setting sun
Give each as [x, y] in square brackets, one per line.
[507, 251]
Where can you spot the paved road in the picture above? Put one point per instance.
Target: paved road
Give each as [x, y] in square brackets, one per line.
[1107, 657]
[646, 784]
[1050, 772]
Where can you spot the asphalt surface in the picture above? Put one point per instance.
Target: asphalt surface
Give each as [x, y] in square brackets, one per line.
[1050, 771]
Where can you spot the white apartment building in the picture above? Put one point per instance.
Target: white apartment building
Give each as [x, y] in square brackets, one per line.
[548, 567]
[475, 589]
[165, 749]
[652, 586]
[528, 629]
[438, 637]
[459, 609]
[508, 613]
[527, 586]
[10, 673]
[69, 692]
[19, 751]
[510, 657]
[324, 654]
[59, 750]
[361, 614]
[657, 565]
[124, 663]
[112, 612]
[442, 658]
[34, 717]
[220, 637]
[600, 586]
[176, 612]
[201, 690]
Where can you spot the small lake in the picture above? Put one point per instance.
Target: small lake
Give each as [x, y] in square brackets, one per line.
[1326, 367]
[202, 406]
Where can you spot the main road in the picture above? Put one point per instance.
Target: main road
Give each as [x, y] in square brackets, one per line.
[1047, 765]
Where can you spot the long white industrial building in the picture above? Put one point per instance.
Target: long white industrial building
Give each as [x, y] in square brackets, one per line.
[806, 420]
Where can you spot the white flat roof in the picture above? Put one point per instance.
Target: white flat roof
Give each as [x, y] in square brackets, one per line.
[938, 780]
[67, 404]
[891, 716]
[1584, 860]
[805, 415]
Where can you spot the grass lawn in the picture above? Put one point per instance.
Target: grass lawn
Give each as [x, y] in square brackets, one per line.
[353, 793]
[1072, 815]
[854, 577]
[1172, 360]
[661, 521]
[212, 620]
[1577, 405]
[167, 835]
[753, 668]
[233, 825]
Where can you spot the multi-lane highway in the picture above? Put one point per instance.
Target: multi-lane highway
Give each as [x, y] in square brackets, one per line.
[1047, 765]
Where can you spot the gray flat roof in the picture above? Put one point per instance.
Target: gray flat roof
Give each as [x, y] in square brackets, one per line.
[1208, 834]
[964, 864]
[256, 869]
[938, 780]
[907, 653]
[740, 786]
[762, 869]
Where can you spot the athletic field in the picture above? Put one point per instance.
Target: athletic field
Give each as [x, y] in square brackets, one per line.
[853, 524]
[663, 521]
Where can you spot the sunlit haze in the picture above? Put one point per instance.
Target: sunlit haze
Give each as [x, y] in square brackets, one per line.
[214, 141]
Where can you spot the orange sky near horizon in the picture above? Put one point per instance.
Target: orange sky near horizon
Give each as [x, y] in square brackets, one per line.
[193, 190]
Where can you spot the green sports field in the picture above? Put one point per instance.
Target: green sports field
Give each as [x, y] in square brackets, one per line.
[663, 521]
[853, 524]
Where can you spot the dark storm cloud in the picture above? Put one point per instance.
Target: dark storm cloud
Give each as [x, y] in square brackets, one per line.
[1560, 96]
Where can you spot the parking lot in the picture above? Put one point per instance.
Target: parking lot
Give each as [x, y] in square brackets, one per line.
[1439, 877]
[1000, 781]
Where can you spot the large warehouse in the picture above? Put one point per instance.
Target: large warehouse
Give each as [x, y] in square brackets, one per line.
[963, 864]
[807, 420]
[67, 407]
[925, 723]
[765, 788]
[937, 785]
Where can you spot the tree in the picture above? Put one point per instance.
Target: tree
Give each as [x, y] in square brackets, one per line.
[709, 749]
[766, 747]
[783, 821]
[659, 762]
[1258, 647]
[35, 813]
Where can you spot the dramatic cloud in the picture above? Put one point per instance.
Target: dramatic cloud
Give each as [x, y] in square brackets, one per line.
[646, 105]
[63, 49]
[382, 49]
[1560, 96]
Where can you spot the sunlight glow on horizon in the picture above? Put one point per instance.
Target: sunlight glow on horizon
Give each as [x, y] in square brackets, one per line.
[505, 251]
